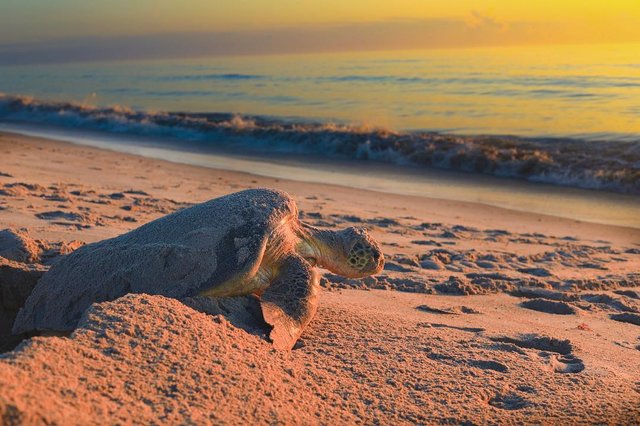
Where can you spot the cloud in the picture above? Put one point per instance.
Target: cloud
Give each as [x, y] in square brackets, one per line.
[478, 20]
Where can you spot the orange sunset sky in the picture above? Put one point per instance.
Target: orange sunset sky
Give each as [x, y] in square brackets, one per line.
[283, 26]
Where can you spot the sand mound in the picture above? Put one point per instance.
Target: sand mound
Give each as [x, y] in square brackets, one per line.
[17, 280]
[21, 189]
[23, 260]
[242, 311]
[147, 359]
[19, 246]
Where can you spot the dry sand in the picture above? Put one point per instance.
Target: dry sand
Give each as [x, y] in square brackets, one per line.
[482, 315]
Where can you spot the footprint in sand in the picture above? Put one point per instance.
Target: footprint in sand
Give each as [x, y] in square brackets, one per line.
[628, 293]
[508, 401]
[607, 302]
[565, 363]
[542, 293]
[58, 214]
[482, 364]
[534, 341]
[537, 272]
[549, 306]
[453, 310]
[489, 365]
[78, 220]
[627, 317]
[453, 327]
[395, 267]
[557, 353]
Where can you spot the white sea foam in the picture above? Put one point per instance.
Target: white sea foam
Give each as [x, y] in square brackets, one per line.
[611, 165]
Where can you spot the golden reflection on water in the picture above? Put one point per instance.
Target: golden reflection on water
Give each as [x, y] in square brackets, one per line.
[540, 90]
[591, 91]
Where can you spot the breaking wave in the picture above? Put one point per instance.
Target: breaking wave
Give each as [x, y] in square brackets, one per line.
[610, 165]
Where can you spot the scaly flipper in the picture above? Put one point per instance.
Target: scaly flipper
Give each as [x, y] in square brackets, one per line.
[291, 301]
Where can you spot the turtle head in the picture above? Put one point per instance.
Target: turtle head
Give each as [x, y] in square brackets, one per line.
[361, 255]
[352, 252]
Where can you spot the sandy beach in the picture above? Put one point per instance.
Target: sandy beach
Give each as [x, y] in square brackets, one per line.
[482, 315]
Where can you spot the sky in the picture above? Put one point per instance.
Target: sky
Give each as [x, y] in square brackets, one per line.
[66, 30]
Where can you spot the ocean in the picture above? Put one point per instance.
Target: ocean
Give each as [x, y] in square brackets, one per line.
[563, 115]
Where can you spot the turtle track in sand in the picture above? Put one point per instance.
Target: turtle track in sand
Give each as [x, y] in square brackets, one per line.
[556, 353]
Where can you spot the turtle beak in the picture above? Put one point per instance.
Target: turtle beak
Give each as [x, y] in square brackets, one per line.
[378, 260]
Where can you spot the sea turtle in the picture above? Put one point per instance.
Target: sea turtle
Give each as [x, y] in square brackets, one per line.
[247, 242]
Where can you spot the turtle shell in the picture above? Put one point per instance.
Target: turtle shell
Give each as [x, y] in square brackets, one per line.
[178, 255]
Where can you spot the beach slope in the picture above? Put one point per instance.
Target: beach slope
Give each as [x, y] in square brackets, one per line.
[482, 314]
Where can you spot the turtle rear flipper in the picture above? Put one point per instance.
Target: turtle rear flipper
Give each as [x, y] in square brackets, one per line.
[290, 302]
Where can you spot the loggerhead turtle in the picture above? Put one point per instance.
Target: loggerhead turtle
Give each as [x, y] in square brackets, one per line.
[247, 242]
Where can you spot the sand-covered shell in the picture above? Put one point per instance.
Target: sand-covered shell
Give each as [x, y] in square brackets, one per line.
[179, 255]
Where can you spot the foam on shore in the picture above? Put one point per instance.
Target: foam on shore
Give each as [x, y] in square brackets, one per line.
[611, 165]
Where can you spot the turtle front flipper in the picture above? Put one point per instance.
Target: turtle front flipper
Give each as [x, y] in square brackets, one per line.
[290, 302]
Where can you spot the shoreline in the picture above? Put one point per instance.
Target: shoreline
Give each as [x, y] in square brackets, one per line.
[573, 163]
[382, 203]
[595, 206]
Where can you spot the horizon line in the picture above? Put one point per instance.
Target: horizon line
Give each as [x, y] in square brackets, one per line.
[398, 35]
